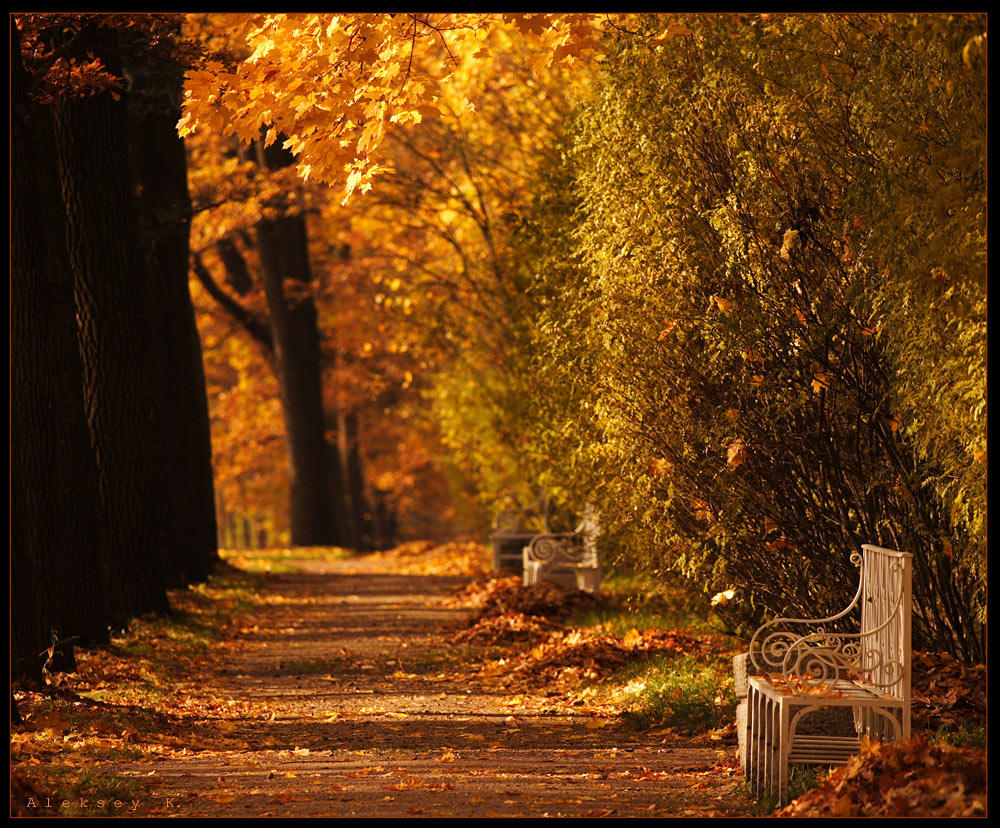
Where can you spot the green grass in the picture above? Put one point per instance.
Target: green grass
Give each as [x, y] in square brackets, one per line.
[644, 603]
[684, 693]
[95, 794]
[962, 736]
[801, 778]
[156, 648]
[280, 561]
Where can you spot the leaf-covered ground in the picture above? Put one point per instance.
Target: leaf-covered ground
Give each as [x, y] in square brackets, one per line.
[415, 683]
[350, 688]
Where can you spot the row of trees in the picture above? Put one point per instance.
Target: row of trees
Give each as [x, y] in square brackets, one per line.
[112, 499]
[112, 484]
[383, 461]
[733, 293]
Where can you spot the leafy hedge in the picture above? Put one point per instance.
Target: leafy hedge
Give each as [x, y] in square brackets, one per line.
[757, 319]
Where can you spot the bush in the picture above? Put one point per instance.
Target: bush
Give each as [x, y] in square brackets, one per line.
[720, 372]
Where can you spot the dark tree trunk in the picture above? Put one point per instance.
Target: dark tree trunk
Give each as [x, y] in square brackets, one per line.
[285, 264]
[56, 536]
[284, 256]
[159, 168]
[114, 312]
[354, 481]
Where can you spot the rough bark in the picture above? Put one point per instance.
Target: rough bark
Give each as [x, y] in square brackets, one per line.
[159, 168]
[354, 481]
[114, 312]
[56, 537]
[292, 314]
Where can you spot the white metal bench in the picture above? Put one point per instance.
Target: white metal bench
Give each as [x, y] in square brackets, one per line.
[508, 539]
[569, 559]
[808, 665]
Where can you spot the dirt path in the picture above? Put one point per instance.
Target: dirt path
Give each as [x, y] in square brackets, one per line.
[343, 697]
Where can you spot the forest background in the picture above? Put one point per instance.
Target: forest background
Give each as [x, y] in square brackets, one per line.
[309, 280]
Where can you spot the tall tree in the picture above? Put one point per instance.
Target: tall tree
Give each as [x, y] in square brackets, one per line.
[159, 169]
[114, 307]
[57, 586]
[317, 498]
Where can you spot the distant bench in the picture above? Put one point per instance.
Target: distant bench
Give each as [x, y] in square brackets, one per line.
[509, 539]
[566, 558]
[796, 667]
[569, 559]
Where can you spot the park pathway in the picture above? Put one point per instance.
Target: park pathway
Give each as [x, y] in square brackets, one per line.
[343, 697]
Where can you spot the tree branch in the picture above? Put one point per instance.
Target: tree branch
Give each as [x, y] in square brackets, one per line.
[246, 319]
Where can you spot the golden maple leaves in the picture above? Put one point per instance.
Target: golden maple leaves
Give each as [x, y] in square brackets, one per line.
[331, 84]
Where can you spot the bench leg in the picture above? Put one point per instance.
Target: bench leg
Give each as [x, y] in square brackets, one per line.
[784, 749]
[773, 745]
[753, 712]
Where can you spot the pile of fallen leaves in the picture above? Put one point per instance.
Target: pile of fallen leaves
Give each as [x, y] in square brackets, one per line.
[946, 691]
[579, 654]
[902, 779]
[465, 558]
[509, 595]
[507, 612]
[477, 594]
[506, 628]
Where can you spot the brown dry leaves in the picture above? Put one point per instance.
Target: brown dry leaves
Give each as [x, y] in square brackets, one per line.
[507, 612]
[459, 558]
[508, 595]
[911, 778]
[946, 691]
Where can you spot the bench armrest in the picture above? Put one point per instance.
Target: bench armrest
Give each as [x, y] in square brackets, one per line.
[774, 641]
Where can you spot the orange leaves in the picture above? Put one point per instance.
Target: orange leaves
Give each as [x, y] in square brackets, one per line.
[912, 778]
[781, 544]
[946, 691]
[723, 598]
[788, 243]
[673, 30]
[702, 511]
[820, 381]
[70, 77]
[736, 453]
[390, 68]
[721, 303]
[427, 558]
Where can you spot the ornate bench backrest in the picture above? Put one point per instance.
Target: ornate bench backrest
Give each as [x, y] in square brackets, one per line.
[554, 550]
[886, 597]
[811, 654]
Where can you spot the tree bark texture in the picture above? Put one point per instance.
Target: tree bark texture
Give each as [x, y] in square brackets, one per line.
[316, 494]
[349, 439]
[114, 312]
[56, 522]
[159, 168]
